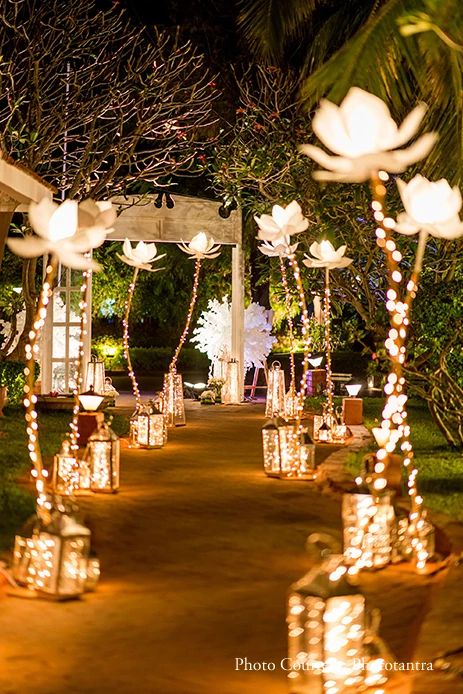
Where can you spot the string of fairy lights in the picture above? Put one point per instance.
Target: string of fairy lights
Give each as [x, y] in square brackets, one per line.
[30, 399]
[329, 375]
[184, 335]
[292, 365]
[126, 337]
[394, 415]
[79, 363]
[306, 338]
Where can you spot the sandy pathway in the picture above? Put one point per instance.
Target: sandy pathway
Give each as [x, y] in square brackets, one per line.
[197, 552]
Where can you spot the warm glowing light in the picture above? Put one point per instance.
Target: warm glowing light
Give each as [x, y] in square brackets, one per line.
[353, 390]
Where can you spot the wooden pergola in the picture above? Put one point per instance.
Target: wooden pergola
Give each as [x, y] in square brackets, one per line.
[18, 188]
[140, 220]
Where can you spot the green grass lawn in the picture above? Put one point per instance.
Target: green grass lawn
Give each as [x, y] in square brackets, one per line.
[440, 478]
[16, 500]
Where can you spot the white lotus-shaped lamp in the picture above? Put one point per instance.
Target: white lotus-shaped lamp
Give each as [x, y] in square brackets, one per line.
[141, 256]
[283, 222]
[201, 246]
[365, 138]
[278, 249]
[325, 255]
[430, 206]
[59, 234]
[96, 214]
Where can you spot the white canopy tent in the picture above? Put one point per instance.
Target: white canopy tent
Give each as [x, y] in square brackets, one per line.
[140, 220]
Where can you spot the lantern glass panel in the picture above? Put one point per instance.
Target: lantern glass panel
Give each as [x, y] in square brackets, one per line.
[368, 523]
[65, 470]
[173, 405]
[271, 448]
[103, 455]
[95, 375]
[275, 403]
[326, 628]
[291, 404]
[150, 429]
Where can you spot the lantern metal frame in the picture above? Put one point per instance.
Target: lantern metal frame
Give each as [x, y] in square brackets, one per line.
[275, 402]
[173, 403]
[151, 428]
[103, 458]
[95, 375]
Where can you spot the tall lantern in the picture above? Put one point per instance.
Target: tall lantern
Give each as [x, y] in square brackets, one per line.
[150, 428]
[275, 404]
[326, 632]
[368, 529]
[95, 377]
[102, 456]
[173, 405]
[54, 560]
[65, 470]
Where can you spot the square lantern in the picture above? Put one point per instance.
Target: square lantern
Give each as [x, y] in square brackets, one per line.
[173, 405]
[65, 470]
[102, 457]
[275, 403]
[95, 376]
[291, 403]
[231, 391]
[283, 451]
[308, 466]
[321, 430]
[54, 560]
[368, 529]
[150, 428]
[326, 632]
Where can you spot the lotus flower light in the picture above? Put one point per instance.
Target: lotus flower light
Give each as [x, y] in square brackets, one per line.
[201, 246]
[363, 134]
[431, 207]
[284, 222]
[141, 256]
[279, 248]
[60, 232]
[325, 255]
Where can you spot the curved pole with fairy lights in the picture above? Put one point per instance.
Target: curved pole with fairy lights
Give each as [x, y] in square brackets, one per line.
[125, 336]
[194, 296]
[292, 366]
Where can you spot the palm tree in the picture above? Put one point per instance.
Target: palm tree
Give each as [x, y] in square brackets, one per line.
[401, 50]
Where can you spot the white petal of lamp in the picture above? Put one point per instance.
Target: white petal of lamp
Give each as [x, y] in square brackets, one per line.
[140, 257]
[365, 140]
[62, 236]
[200, 247]
[276, 230]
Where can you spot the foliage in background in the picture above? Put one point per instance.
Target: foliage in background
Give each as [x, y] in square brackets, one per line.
[12, 376]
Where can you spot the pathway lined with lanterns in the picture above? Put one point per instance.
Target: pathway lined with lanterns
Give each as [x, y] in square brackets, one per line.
[197, 553]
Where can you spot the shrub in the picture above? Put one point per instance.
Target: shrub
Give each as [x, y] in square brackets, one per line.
[12, 376]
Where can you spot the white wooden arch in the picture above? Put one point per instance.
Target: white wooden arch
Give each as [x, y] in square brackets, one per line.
[140, 220]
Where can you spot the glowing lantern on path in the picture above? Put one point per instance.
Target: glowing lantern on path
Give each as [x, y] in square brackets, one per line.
[231, 388]
[102, 456]
[173, 405]
[150, 428]
[54, 560]
[286, 454]
[95, 377]
[326, 632]
[65, 470]
[291, 403]
[368, 529]
[275, 404]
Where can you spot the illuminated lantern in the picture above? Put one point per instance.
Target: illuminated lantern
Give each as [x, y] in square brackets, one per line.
[308, 468]
[283, 451]
[65, 470]
[231, 391]
[326, 632]
[133, 427]
[322, 431]
[275, 404]
[368, 529]
[95, 377]
[291, 403]
[173, 405]
[150, 428]
[90, 400]
[102, 456]
[54, 560]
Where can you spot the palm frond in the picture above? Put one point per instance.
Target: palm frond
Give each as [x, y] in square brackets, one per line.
[401, 70]
[267, 25]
